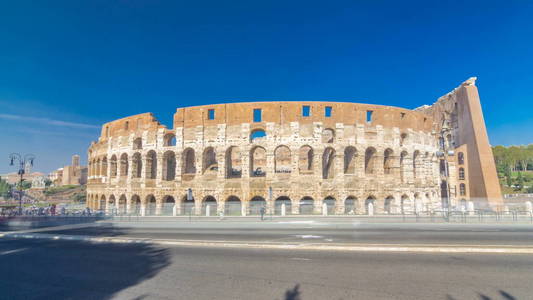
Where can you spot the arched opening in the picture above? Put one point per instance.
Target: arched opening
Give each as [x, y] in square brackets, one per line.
[103, 203]
[416, 164]
[209, 204]
[387, 208]
[328, 163]
[370, 161]
[189, 161]
[137, 143]
[306, 206]
[136, 165]
[461, 158]
[350, 154]
[305, 163]
[169, 140]
[387, 161]
[328, 135]
[169, 166]
[278, 205]
[350, 205]
[150, 205]
[370, 204]
[124, 164]
[330, 204]
[462, 189]
[444, 197]
[282, 160]
[461, 173]
[187, 206]
[135, 204]
[122, 204]
[151, 165]
[168, 206]
[255, 205]
[233, 162]
[258, 162]
[257, 135]
[111, 205]
[233, 206]
[209, 161]
[103, 167]
[113, 163]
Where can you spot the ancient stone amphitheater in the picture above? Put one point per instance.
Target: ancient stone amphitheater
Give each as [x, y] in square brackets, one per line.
[290, 158]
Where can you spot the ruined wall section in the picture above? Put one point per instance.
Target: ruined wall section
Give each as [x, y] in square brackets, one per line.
[459, 114]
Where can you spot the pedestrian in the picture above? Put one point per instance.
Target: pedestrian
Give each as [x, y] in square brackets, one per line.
[262, 211]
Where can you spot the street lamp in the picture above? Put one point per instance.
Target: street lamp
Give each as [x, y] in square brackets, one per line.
[23, 161]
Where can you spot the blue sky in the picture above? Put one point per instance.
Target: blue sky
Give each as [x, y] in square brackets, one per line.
[66, 67]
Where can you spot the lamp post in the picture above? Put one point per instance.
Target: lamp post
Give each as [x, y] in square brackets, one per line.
[23, 160]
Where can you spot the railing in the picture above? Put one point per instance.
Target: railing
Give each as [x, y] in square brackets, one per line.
[478, 216]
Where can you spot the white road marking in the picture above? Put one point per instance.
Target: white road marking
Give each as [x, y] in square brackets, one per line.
[300, 258]
[309, 236]
[12, 251]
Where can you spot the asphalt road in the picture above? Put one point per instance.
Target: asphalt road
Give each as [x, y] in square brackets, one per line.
[316, 232]
[45, 269]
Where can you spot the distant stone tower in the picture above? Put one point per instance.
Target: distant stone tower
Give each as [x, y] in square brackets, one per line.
[75, 160]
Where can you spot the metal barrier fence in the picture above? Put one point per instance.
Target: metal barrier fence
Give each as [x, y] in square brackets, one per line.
[235, 210]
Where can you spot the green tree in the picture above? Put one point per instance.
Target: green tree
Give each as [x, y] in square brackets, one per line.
[5, 188]
[519, 182]
[508, 177]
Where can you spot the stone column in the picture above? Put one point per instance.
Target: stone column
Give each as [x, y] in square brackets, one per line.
[143, 170]
[158, 205]
[159, 172]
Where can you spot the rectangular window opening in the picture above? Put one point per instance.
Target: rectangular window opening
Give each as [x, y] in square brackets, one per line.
[306, 111]
[402, 115]
[327, 111]
[257, 115]
[369, 116]
[211, 114]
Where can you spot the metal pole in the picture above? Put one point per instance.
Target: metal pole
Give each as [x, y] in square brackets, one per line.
[21, 171]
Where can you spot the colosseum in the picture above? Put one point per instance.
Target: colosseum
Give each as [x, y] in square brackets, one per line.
[290, 158]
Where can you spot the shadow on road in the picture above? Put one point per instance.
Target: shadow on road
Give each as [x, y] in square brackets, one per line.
[45, 269]
[293, 294]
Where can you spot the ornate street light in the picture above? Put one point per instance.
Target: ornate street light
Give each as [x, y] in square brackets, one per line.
[23, 161]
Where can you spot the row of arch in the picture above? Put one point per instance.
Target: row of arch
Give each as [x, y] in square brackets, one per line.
[258, 162]
[327, 137]
[233, 205]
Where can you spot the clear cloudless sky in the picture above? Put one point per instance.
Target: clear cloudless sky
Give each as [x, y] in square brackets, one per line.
[67, 67]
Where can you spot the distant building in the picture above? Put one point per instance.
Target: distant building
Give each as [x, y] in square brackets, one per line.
[73, 174]
[14, 178]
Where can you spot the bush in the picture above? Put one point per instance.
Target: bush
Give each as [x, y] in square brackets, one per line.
[59, 189]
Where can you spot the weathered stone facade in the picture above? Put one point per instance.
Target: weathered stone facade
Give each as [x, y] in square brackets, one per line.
[288, 157]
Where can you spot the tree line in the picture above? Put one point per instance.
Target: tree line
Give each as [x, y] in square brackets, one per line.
[512, 164]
